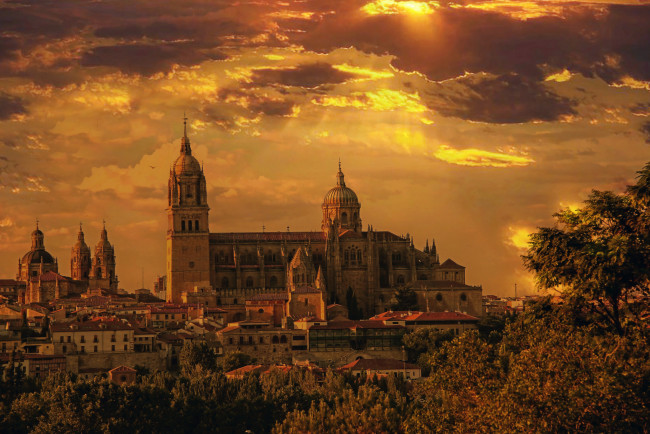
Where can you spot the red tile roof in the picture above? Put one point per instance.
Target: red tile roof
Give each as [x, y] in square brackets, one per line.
[378, 365]
[424, 316]
[451, 264]
[97, 324]
[122, 369]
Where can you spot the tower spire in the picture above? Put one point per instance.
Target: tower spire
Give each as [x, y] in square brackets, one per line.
[340, 181]
[185, 141]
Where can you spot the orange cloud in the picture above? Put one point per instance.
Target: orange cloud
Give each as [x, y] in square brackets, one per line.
[381, 100]
[390, 7]
[480, 158]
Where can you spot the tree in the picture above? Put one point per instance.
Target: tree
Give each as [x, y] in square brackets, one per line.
[354, 312]
[404, 298]
[235, 360]
[202, 355]
[598, 255]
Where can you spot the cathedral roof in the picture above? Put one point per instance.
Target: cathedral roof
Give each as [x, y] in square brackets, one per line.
[340, 195]
[186, 164]
[36, 256]
[451, 264]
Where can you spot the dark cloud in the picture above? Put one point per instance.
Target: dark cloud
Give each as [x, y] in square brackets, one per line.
[645, 129]
[308, 75]
[453, 41]
[146, 59]
[11, 105]
[504, 99]
[272, 107]
[641, 109]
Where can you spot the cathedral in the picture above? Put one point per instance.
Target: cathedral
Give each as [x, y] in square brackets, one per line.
[343, 258]
[40, 270]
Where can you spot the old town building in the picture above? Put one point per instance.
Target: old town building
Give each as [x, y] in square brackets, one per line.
[369, 264]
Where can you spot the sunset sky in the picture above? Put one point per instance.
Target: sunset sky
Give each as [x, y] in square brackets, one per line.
[470, 122]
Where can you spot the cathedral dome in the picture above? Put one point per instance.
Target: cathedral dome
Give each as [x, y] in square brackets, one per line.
[340, 195]
[36, 256]
[186, 164]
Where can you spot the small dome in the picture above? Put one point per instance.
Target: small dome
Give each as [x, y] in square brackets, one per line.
[186, 164]
[35, 256]
[341, 196]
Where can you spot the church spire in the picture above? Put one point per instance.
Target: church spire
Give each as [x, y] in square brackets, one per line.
[185, 141]
[340, 181]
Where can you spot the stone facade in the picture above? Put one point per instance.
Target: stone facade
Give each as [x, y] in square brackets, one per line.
[370, 263]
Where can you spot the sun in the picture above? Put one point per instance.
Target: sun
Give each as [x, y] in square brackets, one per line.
[390, 7]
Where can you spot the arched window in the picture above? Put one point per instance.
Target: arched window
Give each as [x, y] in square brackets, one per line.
[283, 339]
[189, 225]
[224, 282]
[183, 225]
[344, 218]
[275, 340]
[196, 225]
[260, 310]
[400, 280]
[273, 281]
[249, 282]
[463, 297]
[438, 297]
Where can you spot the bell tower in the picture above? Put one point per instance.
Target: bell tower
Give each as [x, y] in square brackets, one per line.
[188, 235]
[80, 258]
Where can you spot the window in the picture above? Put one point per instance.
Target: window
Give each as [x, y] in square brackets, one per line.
[189, 225]
[61, 339]
[260, 310]
[126, 338]
[224, 282]
[275, 340]
[344, 218]
[95, 339]
[126, 347]
[359, 256]
[230, 341]
[191, 264]
[400, 280]
[65, 349]
[261, 339]
[69, 338]
[438, 297]
[82, 349]
[196, 225]
[463, 297]
[83, 339]
[273, 281]
[249, 282]
[112, 347]
[95, 349]
[283, 339]
[112, 338]
[250, 340]
[241, 339]
[183, 225]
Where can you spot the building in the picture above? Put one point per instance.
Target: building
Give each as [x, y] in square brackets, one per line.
[368, 264]
[122, 375]
[382, 367]
[38, 270]
[99, 335]
[456, 322]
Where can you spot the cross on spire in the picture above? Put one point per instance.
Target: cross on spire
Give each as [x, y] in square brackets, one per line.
[36, 223]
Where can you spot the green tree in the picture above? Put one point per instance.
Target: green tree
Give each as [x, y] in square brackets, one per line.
[202, 355]
[599, 255]
[404, 298]
[354, 312]
[235, 360]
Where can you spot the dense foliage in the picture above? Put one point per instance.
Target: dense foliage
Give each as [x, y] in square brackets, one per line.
[549, 370]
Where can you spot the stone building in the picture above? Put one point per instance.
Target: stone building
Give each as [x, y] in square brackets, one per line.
[38, 270]
[370, 264]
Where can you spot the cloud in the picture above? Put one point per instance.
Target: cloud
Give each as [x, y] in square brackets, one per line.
[309, 75]
[645, 130]
[480, 158]
[146, 59]
[380, 100]
[504, 99]
[11, 106]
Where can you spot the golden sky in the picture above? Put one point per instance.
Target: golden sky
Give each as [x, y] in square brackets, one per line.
[470, 122]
